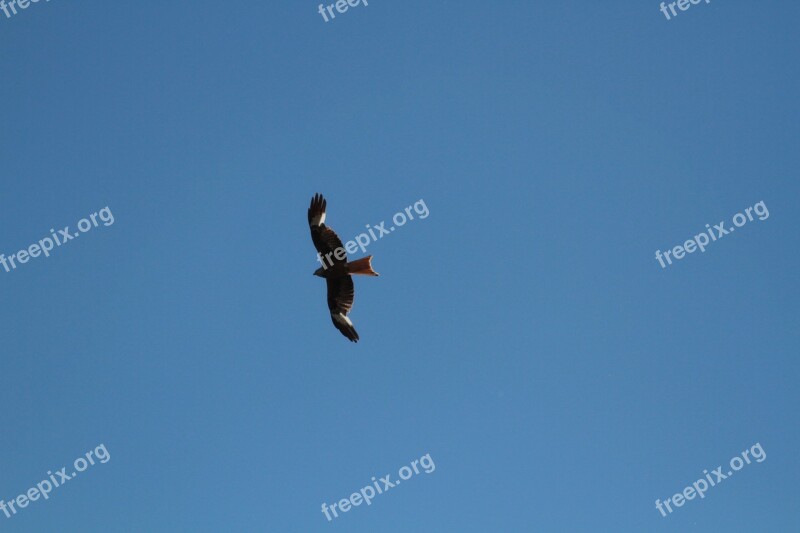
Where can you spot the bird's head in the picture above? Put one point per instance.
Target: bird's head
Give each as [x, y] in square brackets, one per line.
[318, 272]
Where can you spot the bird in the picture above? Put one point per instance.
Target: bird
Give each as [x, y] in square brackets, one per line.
[336, 269]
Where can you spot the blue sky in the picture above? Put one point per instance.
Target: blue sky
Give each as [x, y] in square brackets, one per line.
[523, 334]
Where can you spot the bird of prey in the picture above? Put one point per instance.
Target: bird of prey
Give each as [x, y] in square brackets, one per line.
[335, 268]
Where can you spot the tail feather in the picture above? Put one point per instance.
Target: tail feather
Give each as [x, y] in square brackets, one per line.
[362, 266]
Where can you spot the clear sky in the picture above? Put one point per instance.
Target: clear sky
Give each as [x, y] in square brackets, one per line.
[523, 334]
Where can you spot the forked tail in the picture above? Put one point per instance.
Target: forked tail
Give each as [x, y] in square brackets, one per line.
[362, 266]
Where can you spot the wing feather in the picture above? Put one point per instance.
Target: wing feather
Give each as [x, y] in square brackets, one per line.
[341, 294]
[324, 238]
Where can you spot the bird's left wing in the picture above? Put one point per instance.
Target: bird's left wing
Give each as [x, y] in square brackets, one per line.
[325, 239]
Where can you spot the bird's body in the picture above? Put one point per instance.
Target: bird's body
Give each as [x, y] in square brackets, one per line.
[361, 266]
[335, 268]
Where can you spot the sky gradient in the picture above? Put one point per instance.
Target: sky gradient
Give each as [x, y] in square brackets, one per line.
[523, 334]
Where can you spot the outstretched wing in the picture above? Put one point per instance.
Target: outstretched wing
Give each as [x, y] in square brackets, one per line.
[325, 239]
[340, 300]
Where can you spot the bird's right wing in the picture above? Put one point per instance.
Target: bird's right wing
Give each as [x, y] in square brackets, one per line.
[341, 294]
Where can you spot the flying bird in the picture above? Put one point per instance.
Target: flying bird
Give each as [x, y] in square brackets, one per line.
[335, 268]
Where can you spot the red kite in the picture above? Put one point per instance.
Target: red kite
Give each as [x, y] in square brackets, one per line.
[335, 268]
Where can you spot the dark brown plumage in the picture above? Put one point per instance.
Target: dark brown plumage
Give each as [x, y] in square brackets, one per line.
[335, 268]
